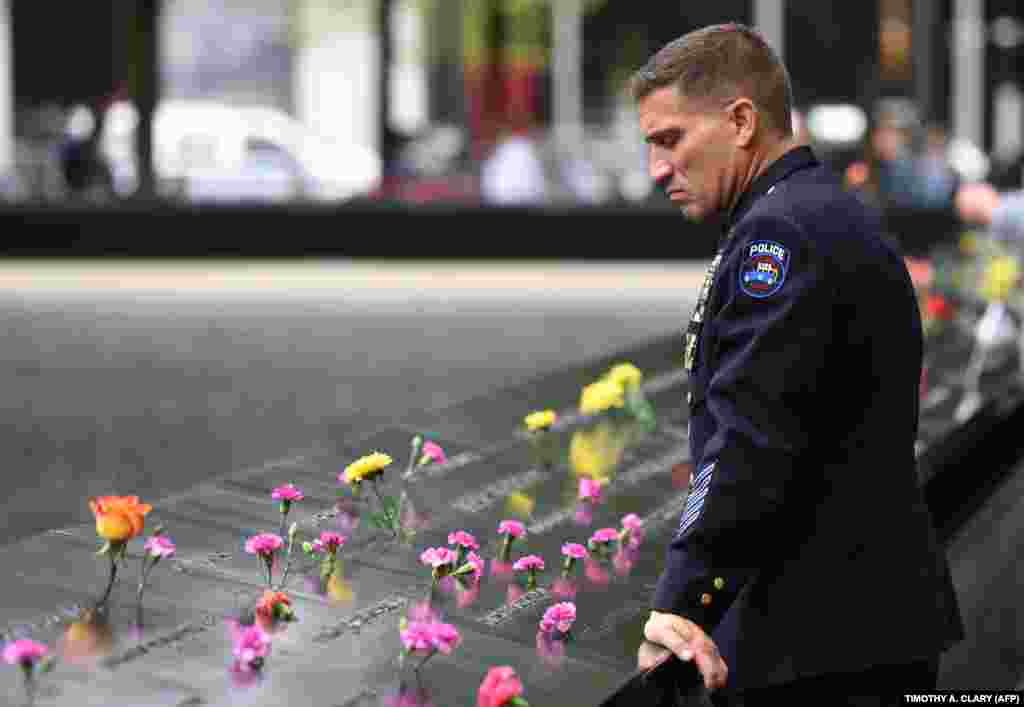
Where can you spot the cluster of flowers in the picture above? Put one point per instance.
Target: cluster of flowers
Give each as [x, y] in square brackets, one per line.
[120, 519]
[611, 390]
[251, 634]
[463, 562]
[371, 468]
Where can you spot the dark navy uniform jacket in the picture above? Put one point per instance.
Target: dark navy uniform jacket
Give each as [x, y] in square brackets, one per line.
[806, 547]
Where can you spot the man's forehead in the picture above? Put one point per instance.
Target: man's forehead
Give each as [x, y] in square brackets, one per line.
[665, 107]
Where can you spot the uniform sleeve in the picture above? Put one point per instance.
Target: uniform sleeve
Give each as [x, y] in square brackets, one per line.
[771, 328]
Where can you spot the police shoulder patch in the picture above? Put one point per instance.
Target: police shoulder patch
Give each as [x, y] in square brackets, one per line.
[763, 269]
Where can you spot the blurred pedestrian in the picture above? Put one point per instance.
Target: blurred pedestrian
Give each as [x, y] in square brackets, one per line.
[805, 567]
[513, 174]
[85, 170]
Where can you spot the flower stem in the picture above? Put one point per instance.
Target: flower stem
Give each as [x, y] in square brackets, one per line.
[424, 661]
[506, 547]
[288, 566]
[415, 446]
[113, 575]
[30, 686]
[384, 508]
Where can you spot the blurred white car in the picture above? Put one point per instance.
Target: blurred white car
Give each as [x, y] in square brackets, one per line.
[206, 151]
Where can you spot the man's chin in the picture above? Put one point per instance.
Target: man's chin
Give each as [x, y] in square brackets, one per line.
[692, 213]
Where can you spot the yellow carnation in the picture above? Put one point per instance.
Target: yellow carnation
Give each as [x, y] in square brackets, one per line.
[540, 420]
[1001, 276]
[601, 396]
[366, 467]
[626, 375]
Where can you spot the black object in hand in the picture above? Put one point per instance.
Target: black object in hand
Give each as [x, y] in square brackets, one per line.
[671, 683]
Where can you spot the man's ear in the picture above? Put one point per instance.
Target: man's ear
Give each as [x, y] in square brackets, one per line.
[745, 121]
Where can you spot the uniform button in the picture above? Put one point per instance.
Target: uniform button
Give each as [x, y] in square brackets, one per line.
[705, 599]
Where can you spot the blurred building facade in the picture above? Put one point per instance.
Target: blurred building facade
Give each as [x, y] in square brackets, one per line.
[463, 76]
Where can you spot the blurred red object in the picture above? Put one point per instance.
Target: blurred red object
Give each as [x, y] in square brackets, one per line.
[939, 307]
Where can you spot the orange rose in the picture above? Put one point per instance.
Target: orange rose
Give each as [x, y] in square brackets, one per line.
[119, 518]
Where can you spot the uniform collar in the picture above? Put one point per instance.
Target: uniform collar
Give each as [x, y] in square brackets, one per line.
[797, 158]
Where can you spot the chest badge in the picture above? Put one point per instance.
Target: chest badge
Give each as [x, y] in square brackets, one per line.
[764, 268]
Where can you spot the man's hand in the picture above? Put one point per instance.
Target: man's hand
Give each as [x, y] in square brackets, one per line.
[668, 632]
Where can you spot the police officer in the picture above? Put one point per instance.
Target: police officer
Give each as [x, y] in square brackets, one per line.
[805, 563]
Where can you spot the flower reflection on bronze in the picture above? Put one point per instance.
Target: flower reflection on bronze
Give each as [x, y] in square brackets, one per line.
[624, 560]
[550, 650]
[515, 592]
[564, 588]
[596, 572]
[88, 639]
[584, 513]
[408, 697]
[501, 570]
[466, 594]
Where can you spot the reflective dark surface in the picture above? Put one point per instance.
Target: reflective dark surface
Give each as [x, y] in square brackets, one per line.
[176, 648]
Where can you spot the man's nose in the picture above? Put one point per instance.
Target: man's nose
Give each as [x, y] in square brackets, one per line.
[661, 172]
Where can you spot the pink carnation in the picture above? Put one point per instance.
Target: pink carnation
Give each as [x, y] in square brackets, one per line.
[590, 490]
[438, 557]
[560, 616]
[433, 452]
[605, 535]
[512, 527]
[288, 492]
[446, 638]
[461, 537]
[160, 546]
[252, 644]
[264, 544]
[632, 522]
[24, 651]
[417, 637]
[329, 541]
[422, 637]
[530, 562]
[500, 685]
[574, 551]
[477, 562]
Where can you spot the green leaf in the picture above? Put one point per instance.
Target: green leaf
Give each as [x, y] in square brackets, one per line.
[103, 550]
[518, 702]
[46, 665]
[391, 506]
